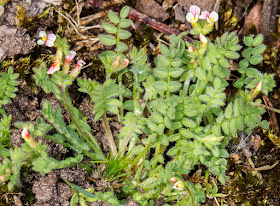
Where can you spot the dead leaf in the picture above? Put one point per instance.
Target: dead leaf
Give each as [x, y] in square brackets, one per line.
[252, 20]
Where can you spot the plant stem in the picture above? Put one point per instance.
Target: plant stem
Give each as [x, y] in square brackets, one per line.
[157, 152]
[120, 97]
[137, 111]
[88, 137]
[266, 107]
[187, 82]
[109, 135]
[163, 147]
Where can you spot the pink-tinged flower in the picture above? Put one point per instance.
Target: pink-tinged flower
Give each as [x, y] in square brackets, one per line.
[210, 17]
[46, 39]
[178, 185]
[25, 134]
[70, 57]
[80, 63]
[75, 72]
[55, 67]
[57, 60]
[191, 49]
[202, 39]
[192, 16]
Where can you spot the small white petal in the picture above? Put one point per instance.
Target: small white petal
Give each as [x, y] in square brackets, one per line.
[42, 34]
[214, 16]
[194, 9]
[51, 37]
[189, 17]
[40, 42]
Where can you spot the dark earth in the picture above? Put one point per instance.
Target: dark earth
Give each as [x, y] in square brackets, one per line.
[252, 180]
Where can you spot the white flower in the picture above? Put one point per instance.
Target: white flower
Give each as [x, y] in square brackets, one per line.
[210, 17]
[192, 16]
[46, 39]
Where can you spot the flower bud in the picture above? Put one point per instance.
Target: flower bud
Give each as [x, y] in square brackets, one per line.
[124, 64]
[26, 136]
[255, 91]
[203, 40]
[68, 59]
[191, 49]
[75, 72]
[56, 65]
[116, 62]
[174, 179]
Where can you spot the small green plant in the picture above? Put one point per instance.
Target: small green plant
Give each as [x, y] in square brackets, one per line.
[186, 107]
[8, 88]
[176, 116]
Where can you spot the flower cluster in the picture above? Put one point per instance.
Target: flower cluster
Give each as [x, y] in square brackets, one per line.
[49, 40]
[199, 26]
[193, 15]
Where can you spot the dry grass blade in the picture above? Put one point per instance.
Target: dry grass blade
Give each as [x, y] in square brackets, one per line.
[70, 22]
[90, 18]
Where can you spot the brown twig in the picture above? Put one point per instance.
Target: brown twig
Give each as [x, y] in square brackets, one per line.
[138, 16]
[271, 113]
